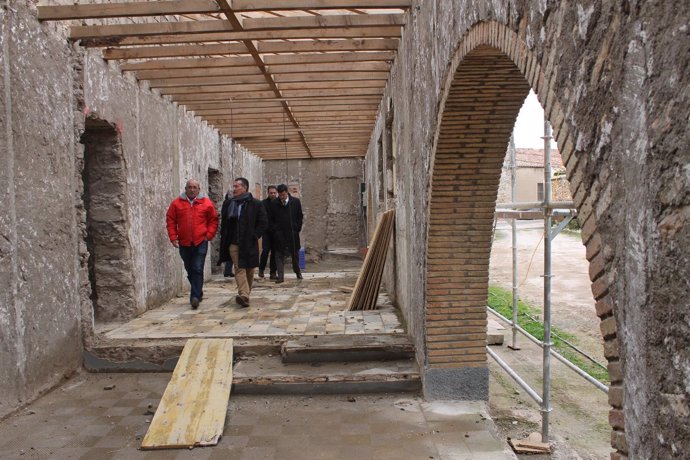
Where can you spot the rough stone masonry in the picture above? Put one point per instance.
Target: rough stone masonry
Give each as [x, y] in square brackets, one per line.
[613, 78]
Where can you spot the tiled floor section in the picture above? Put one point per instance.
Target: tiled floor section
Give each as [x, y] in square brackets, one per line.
[82, 420]
[313, 306]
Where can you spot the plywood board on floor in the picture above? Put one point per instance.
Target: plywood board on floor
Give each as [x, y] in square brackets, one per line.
[192, 410]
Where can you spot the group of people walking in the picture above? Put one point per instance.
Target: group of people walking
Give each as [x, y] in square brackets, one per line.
[192, 221]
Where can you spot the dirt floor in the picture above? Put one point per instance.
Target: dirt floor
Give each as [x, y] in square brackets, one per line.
[579, 420]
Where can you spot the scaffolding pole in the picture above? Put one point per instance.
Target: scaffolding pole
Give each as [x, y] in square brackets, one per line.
[513, 222]
[548, 209]
[546, 369]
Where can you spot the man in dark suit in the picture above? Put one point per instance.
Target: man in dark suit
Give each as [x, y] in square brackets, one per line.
[267, 243]
[243, 222]
[286, 223]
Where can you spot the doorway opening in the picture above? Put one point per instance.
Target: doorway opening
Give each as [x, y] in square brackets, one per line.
[110, 264]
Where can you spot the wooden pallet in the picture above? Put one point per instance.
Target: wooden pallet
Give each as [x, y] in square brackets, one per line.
[192, 410]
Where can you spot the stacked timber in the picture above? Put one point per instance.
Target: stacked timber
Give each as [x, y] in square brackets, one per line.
[366, 289]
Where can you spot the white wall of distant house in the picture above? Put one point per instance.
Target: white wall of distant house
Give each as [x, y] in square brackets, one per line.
[529, 126]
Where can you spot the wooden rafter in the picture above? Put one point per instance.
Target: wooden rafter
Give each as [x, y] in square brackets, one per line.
[285, 78]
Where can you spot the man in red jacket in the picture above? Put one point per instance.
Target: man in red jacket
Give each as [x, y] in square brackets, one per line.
[192, 222]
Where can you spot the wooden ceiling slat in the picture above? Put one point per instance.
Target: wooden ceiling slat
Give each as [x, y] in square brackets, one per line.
[344, 20]
[288, 34]
[189, 63]
[378, 66]
[218, 89]
[174, 51]
[333, 84]
[259, 5]
[148, 52]
[269, 119]
[224, 80]
[238, 96]
[195, 64]
[210, 72]
[159, 8]
[288, 80]
[373, 44]
[273, 113]
[251, 26]
[329, 57]
[126, 9]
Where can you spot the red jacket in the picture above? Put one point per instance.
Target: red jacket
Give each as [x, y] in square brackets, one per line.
[191, 223]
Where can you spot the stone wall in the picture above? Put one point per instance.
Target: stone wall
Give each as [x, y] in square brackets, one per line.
[612, 79]
[54, 100]
[329, 191]
[40, 268]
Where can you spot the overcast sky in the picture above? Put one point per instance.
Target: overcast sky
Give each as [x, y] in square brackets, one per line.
[529, 127]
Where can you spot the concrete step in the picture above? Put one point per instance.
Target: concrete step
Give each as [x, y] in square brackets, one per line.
[268, 374]
[343, 348]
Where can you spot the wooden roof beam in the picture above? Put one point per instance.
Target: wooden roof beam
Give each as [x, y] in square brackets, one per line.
[147, 52]
[232, 18]
[160, 8]
[254, 28]
[220, 37]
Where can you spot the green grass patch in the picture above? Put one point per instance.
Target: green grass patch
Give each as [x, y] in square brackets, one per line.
[501, 300]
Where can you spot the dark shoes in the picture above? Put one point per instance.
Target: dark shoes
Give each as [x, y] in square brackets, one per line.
[279, 280]
[242, 301]
[195, 303]
[229, 275]
[261, 273]
[299, 275]
[273, 276]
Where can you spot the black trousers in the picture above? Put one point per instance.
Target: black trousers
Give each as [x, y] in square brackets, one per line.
[267, 247]
[281, 255]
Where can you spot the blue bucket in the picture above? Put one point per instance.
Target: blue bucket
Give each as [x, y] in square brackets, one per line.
[302, 261]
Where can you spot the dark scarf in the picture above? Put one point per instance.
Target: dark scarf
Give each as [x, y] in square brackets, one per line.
[235, 203]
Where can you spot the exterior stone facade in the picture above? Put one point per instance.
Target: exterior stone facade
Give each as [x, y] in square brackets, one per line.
[613, 84]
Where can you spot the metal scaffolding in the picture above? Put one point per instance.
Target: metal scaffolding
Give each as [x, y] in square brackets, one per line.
[548, 210]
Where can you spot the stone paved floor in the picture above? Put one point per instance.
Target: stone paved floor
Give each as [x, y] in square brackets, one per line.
[313, 306]
[83, 420]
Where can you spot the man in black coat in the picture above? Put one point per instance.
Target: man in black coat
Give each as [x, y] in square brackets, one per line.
[243, 222]
[267, 243]
[286, 223]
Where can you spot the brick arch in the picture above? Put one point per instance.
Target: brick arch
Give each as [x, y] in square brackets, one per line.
[487, 81]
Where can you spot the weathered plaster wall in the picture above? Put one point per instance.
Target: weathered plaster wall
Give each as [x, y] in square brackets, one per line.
[39, 262]
[47, 91]
[329, 191]
[613, 79]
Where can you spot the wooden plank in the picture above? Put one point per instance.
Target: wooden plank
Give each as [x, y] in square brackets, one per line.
[208, 72]
[209, 31]
[363, 44]
[368, 283]
[190, 63]
[260, 5]
[329, 57]
[379, 66]
[324, 21]
[158, 8]
[125, 9]
[193, 407]
[173, 51]
[198, 63]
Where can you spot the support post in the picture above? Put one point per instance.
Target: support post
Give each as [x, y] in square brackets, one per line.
[513, 225]
[546, 407]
